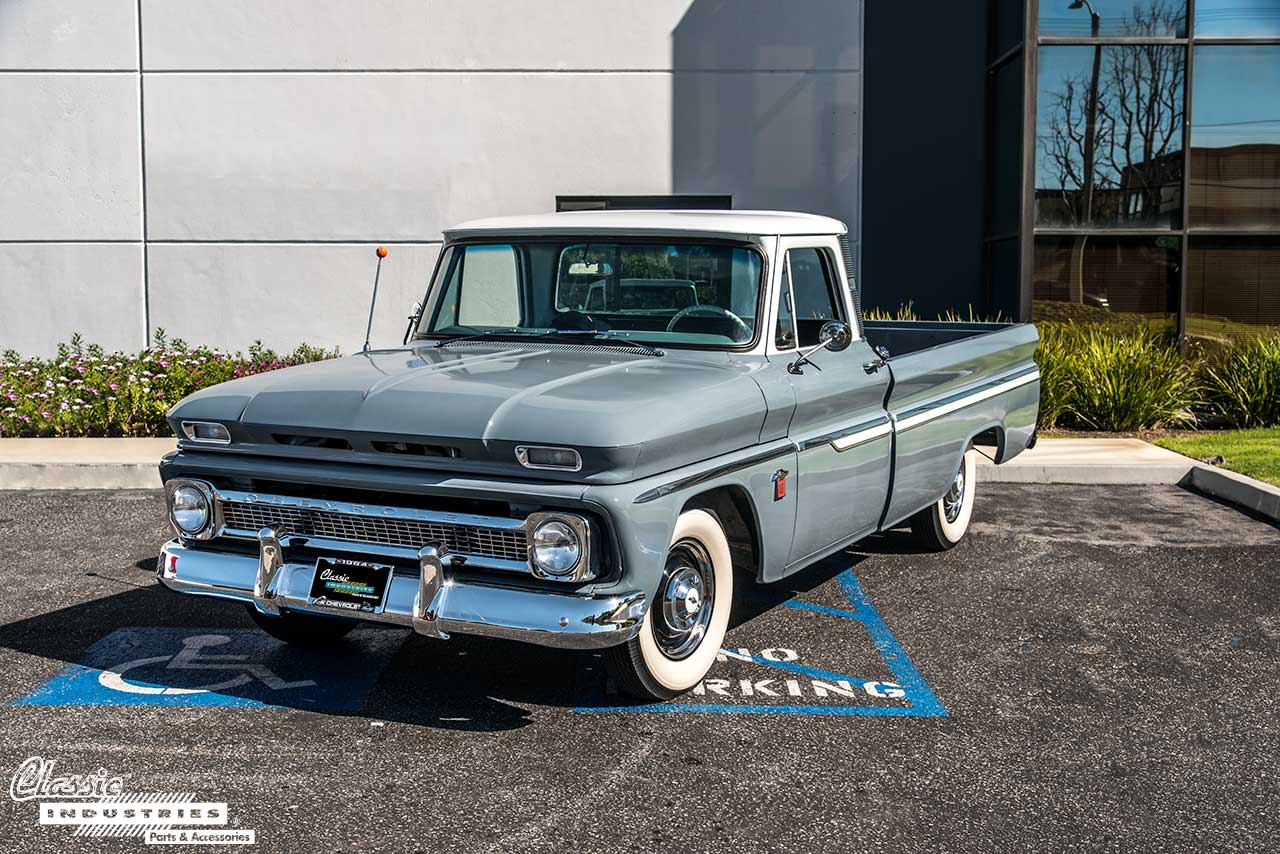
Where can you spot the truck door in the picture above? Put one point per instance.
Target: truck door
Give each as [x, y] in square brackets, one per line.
[840, 426]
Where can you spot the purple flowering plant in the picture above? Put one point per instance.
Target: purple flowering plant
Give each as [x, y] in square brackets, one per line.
[85, 391]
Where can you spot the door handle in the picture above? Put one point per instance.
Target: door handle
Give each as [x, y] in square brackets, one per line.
[882, 359]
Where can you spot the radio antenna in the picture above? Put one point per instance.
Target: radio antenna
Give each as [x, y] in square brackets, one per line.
[382, 253]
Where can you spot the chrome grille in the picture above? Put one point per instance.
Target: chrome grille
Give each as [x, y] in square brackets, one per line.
[351, 527]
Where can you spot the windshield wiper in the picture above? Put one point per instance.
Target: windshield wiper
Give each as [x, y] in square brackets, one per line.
[608, 334]
[524, 333]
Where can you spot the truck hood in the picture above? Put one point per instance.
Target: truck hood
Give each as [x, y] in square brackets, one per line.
[630, 414]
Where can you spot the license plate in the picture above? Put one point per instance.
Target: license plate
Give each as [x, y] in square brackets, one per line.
[349, 585]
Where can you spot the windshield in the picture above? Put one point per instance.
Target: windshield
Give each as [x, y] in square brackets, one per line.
[673, 294]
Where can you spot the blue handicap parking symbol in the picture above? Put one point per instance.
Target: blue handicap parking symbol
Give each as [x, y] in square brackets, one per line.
[905, 693]
[152, 666]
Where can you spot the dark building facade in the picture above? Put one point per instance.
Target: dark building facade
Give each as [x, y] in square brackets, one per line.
[1094, 160]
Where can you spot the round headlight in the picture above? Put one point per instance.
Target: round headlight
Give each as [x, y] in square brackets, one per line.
[556, 548]
[189, 509]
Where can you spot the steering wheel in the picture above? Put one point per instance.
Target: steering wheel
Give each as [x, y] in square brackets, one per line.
[714, 309]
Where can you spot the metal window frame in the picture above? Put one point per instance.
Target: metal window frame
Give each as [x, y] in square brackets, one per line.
[1031, 44]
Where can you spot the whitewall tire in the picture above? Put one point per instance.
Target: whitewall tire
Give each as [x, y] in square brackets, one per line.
[685, 624]
[944, 523]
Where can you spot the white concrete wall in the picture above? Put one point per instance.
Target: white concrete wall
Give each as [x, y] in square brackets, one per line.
[233, 185]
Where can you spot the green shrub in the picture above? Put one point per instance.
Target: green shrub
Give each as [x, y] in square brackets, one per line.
[1055, 356]
[85, 391]
[1243, 383]
[1125, 381]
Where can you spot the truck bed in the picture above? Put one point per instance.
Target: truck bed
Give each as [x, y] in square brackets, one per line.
[949, 382]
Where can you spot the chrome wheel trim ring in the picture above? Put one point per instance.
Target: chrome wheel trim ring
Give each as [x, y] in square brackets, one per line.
[687, 595]
[953, 501]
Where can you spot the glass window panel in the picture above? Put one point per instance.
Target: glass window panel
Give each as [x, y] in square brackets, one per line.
[490, 293]
[1233, 287]
[1128, 139]
[1113, 18]
[1235, 137]
[1237, 18]
[813, 299]
[1102, 279]
[784, 334]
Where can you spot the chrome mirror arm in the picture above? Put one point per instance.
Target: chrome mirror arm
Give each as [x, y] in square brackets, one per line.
[803, 358]
[834, 335]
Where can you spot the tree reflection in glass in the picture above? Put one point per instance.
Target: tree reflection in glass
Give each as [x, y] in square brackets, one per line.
[1109, 129]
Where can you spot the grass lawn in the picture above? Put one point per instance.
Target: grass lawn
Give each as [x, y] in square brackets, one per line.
[1255, 453]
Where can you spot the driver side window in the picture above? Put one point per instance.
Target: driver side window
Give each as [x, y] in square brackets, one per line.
[813, 293]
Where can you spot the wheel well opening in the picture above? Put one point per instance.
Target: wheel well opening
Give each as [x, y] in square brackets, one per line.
[993, 438]
[732, 506]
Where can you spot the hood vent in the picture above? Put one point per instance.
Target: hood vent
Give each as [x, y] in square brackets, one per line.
[331, 442]
[415, 449]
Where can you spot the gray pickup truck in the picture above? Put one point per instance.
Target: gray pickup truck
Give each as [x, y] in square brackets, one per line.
[553, 458]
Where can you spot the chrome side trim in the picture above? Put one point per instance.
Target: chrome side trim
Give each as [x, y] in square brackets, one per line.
[851, 436]
[713, 473]
[861, 437]
[546, 617]
[924, 414]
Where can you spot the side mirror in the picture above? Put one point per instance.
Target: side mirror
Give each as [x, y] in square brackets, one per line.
[834, 335]
[413, 319]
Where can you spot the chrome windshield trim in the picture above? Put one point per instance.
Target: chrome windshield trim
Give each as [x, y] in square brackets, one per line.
[922, 414]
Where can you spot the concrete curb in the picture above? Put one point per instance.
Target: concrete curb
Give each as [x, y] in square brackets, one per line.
[82, 463]
[80, 476]
[1262, 498]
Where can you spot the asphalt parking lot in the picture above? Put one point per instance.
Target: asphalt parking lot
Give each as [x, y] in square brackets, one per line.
[1093, 668]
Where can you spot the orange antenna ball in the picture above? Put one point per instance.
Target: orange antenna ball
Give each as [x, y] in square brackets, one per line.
[382, 252]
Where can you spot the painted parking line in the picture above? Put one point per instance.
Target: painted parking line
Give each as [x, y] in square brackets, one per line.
[154, 666]
[907, 695]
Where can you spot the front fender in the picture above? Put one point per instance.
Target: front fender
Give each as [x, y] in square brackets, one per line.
[643, 513]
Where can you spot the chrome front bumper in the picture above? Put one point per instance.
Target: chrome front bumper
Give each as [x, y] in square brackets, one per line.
[435, 602]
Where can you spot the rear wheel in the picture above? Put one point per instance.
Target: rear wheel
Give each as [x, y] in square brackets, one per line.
[686, 622]
[941, 525]
[302, 629]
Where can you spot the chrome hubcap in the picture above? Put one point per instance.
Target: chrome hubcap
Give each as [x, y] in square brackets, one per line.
[954, 499]
[688, 589]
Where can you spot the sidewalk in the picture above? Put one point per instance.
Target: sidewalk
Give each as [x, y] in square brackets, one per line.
[82, 463]
[1114, 461]
[1089, 461]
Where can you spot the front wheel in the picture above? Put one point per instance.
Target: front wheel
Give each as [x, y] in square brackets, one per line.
[685, 624]
[941, 525]
[302, 629]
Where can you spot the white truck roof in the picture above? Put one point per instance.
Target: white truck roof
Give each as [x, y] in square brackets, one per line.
[734, 225]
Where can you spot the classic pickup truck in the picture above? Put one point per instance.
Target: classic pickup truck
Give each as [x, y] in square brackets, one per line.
[545, 460]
